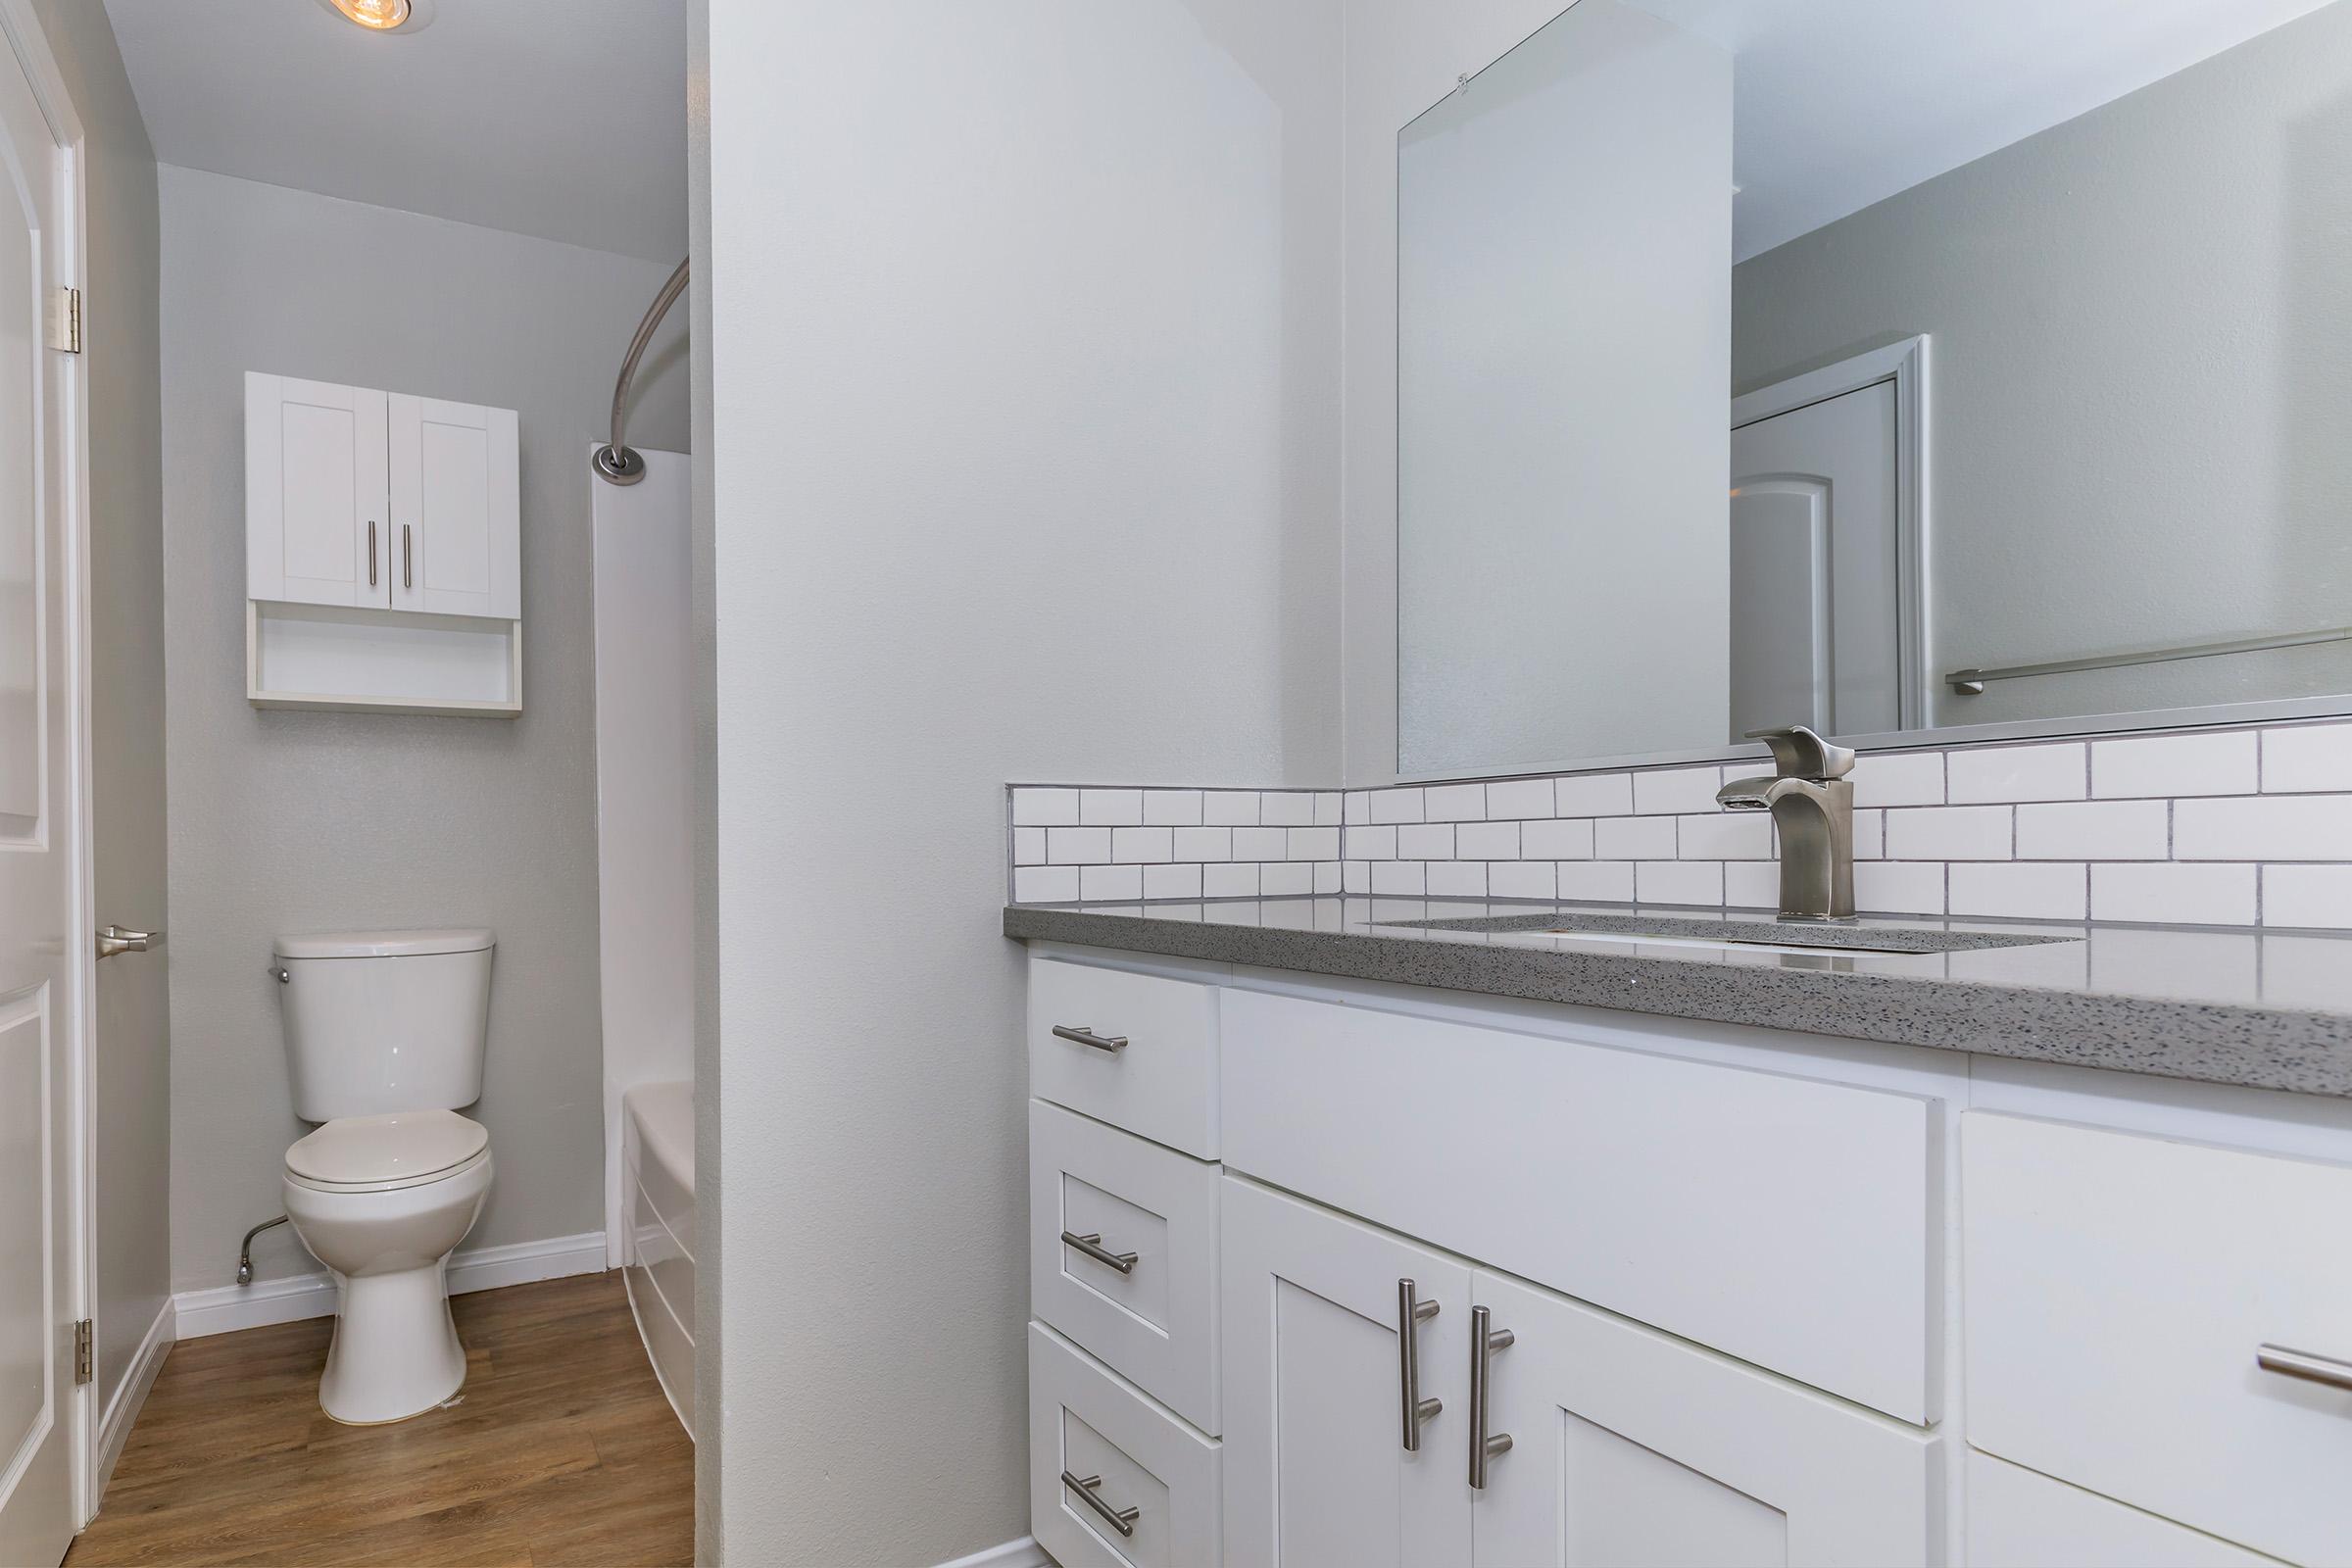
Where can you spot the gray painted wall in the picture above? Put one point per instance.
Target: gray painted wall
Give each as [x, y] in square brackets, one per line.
[284, 821]
[1023, 424]
[127, 681]
[2140, 334]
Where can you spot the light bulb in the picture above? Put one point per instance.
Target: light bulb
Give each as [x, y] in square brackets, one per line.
[380, 16]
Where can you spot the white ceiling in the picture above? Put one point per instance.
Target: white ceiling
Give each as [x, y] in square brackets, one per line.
[1842, 103]
[563, 118]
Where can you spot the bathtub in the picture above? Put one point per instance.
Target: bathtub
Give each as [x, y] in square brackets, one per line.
[657, 1137]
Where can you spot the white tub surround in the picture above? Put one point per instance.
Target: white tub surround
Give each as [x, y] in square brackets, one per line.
[660, 1151]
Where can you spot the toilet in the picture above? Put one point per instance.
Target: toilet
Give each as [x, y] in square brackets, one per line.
[384, 1035]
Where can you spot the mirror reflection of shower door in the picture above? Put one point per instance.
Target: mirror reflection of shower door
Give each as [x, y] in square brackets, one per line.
[1815, 593]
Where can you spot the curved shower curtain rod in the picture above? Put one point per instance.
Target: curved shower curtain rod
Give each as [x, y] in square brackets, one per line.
[614, 462]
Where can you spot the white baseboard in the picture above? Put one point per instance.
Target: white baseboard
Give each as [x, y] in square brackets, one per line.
[231, 1307]
[130, 1395]
[1022, 1554]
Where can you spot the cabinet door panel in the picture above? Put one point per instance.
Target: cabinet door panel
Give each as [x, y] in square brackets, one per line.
[456, 509]
[1316, 1474]
[2017, 1518]
[316, 524]
[1631, 1450]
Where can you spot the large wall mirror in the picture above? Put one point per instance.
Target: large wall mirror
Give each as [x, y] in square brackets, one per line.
[1902, 370]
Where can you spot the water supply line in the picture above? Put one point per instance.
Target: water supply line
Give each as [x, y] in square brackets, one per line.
[614, 462]
[245, 1249]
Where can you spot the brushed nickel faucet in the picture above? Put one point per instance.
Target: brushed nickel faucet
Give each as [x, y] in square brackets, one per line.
[1812, 804]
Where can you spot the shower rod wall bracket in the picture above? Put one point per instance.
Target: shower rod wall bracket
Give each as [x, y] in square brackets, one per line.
[615, 462]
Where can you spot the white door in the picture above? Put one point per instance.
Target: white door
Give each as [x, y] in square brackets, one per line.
[456, 509]
[1815, 563]
[1631, 1450]
[315, 528]
[1316, 1471]
[44, 936]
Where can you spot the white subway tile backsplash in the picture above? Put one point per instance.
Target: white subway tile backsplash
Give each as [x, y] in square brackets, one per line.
[1457, 879]
[1077, 846]
[1870, 835]
[1111, 808]
[1519, 798]
[1678, 882]
[1400, 877]
[1751, 884]
[1286, 809]
[2095, 830]
[1949, 833]
[1724, 836]
[1327, 808]
[1522, 880]
[1677, 790]
[1454, 803]
[1229, 808]
[1204, 844]
[1313, 843]
[2309, 895]
[1899, 887]
[1028, 845]
[1171, 881]
[2307, 757]
[1172, 807]
[1356, 807]
[1594, 795]
[1122, 882]
[1137, 845]
[1596, 881]
[1634, 838]
[2008, 774]
[1358, 876]
[1566, 839]
[1285, 880]
[1486, 841]
[1425, 841]
[2161, 892]
[2290, 827]
[1046, 808]
[1045, 884]
[1327, 877]
[2020, 890]
[2219, 764]
[1900, 778]
[1371, 844]
[1260, 843]
[1229, 881]
[1397, 806]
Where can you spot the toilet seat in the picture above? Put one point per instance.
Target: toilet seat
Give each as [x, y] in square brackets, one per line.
[387, 1152]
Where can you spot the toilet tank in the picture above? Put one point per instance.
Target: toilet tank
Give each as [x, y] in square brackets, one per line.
[381, 1021]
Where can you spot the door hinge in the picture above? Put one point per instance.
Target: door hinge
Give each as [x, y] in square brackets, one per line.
[64, 321]
[83, 1370]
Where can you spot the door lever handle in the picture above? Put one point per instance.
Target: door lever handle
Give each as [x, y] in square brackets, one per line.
[114, 939]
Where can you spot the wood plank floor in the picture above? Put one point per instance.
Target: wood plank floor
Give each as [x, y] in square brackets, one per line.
[563, 1452]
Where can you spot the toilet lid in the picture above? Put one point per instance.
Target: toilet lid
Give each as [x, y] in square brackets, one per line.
[402, 1147]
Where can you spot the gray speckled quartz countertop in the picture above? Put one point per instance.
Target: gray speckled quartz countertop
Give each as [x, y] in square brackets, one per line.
[2266, 1009]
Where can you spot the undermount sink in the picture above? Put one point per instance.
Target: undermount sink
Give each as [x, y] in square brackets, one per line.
[1765, 934]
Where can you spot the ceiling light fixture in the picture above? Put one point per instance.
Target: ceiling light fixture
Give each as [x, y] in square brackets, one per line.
[384, 16]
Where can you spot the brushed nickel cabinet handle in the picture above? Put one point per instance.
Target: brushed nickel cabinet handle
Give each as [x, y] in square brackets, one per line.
[371, 552]
[1090, 1243]
[1082, 1035]
[1411, 1313]
[407, 556]
[2305, 1365]
[1120, 1519]
[1483, 1342]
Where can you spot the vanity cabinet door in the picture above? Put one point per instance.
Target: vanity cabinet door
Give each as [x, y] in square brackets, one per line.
[1630, 1448]
[317, 528]
[1316, 1472]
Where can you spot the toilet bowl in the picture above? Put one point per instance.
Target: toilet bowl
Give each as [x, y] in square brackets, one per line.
[382, 1201]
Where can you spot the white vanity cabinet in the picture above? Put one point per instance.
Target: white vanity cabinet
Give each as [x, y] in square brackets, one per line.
[383, 550]
[1746, 1297]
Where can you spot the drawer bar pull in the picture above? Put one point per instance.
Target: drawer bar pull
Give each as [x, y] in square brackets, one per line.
[1082, 1035]
[1411, 1313]
[1090, 1243]
[1483, 1342]
[1120, 1519]
[2305, 1365]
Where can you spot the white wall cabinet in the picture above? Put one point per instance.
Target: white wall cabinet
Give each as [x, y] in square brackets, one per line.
[383, 550]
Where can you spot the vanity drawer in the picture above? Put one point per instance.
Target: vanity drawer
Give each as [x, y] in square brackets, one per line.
[2020, 1518]
[1156, 1324]
[1161, 1083]
[1084, 1422]
[2118, 1286]
[1788, 1222]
